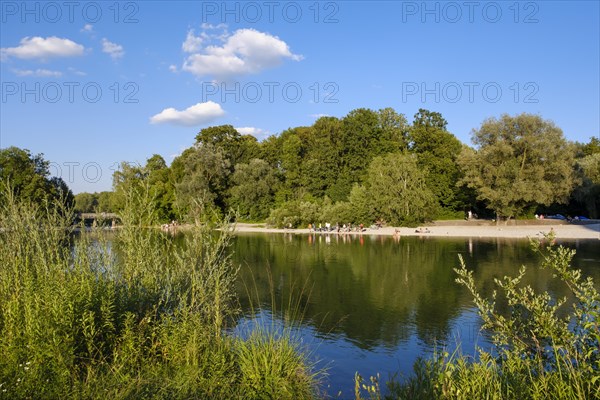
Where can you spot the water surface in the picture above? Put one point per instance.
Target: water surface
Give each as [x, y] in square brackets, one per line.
[372, 304]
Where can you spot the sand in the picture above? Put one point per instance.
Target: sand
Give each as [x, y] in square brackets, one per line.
[591, 231]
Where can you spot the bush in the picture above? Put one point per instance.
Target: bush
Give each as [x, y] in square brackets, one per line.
[294, 214]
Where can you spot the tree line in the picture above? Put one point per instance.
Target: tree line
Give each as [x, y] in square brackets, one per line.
[368, 166]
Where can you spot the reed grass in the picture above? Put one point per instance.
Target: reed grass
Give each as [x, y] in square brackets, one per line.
[132, 315]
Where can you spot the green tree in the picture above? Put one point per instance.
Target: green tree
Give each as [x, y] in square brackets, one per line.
[321, 163]
[127, 180]
[397, 187]
[201, 174]
[593, 147]
[254, 188]
[236, 148]
[85, 202]
[394, 131]
[437, 151]
[162, 187]
[519, 162]
[29, 177]
[359, 143]
[291, 160]
[361, 205]
[105, 202]
[588, 193]
[270, 151]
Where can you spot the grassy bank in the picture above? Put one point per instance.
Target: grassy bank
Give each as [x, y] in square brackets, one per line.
[136, 317]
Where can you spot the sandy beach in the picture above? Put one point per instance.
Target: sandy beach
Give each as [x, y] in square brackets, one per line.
[562, 231]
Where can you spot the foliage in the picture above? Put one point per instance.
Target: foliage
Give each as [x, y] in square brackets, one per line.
[519, 161]
[162, 188]
[237, 148]
[136, 317]
[29, 177]
[398, 190]
[588, 192]
[361, 206]
[94, 202]
[593, 147]
[85, 202]
[273, 365]
[520, 165]
[201, 175]
[437, 151]
[295, 213]
[253, 191]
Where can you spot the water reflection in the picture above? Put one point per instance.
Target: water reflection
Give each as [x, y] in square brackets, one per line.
[377, 303]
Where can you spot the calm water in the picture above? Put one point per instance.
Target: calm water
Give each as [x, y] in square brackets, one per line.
[373, 304]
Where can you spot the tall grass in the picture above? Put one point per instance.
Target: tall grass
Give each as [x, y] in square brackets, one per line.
[273, 343]
[133, 316]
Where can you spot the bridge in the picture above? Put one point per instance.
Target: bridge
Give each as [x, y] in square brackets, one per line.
[95, 218]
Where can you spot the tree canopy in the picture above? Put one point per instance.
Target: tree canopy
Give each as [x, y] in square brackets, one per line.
[519, 161]
[372, 164]
[29, 177]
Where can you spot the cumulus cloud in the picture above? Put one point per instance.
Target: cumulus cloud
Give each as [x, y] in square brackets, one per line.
[87, 28]
[246, 51]
[317, 116]
[173, 68]
[197, 114]
[192, 43]
[112, 49]
[41, 73]
[250, 130]
[43, 48]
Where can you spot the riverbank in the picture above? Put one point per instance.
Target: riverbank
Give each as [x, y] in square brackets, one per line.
[562, 231]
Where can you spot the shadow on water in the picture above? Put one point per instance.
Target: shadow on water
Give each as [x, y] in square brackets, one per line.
[376, 304]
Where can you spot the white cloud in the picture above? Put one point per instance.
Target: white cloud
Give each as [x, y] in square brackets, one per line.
[112, 49]
[76, 72]
[192, 43]
[317, 116]
[250, 130]
[197, 114]
[87, 28]
[246, 51]
[43, 48]
[42, 73]
[173, 68]
[207, 26]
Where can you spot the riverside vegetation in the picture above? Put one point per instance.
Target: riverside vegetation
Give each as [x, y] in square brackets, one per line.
[368, 165]
[141, 317]
[133, 317]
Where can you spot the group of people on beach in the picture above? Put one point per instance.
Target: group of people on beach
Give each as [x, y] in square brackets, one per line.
[171, 227]
[345, 228]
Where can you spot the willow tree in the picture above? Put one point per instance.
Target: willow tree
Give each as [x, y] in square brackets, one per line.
[253, 191]
[398, 189]
[519, 162]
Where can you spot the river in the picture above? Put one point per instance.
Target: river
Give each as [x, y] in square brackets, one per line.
[373, 304]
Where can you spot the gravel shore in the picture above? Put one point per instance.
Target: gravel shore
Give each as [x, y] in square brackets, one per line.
[589, 231]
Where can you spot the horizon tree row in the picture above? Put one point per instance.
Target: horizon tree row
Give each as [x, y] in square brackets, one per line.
[367, 166]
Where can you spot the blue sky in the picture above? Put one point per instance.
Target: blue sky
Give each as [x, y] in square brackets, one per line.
[90, 84]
